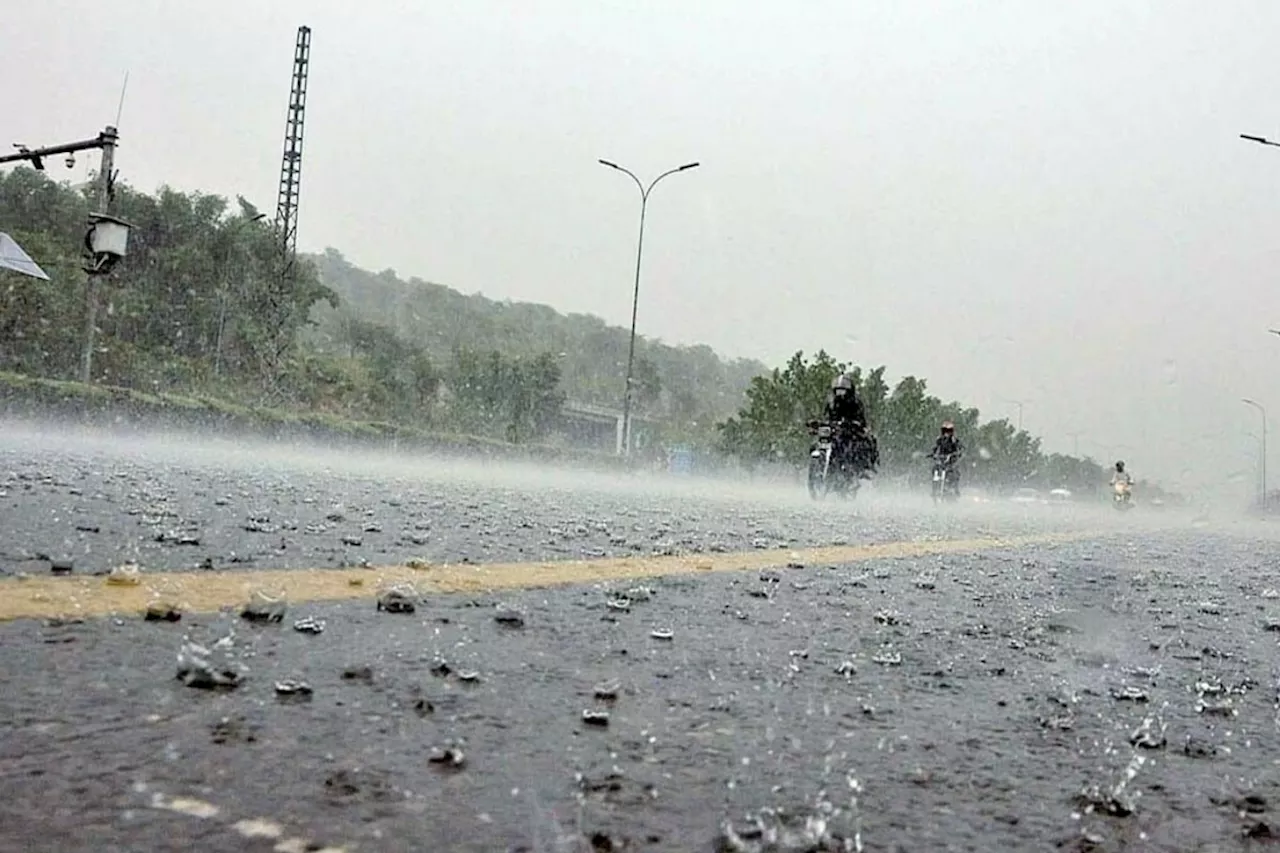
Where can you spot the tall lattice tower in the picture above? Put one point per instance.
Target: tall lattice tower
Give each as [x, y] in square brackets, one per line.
[291, 163]
[278, 308]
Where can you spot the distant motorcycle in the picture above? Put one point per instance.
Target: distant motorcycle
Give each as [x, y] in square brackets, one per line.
[945, 486]
[1122, 492]
[838, 460]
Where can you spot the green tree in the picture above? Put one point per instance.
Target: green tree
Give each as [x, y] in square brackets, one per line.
[646, 385]
[36, 332]
[425, 379]
[771, 424]
[511, 398]
[199, 290]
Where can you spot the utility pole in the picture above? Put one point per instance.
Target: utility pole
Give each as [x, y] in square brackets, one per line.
[1263, 473]
[114, 238]
[91, 284]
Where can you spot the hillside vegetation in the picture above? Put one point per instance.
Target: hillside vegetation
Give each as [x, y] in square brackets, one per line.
[190, 310]
[685, 387]
[198, 311]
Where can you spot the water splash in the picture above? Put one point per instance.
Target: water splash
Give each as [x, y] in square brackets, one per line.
[210, 667]
[823, 827]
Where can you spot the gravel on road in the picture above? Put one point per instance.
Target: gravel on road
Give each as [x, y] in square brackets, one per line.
[1117, 692]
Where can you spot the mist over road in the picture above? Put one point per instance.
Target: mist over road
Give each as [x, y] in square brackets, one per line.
[892, 677]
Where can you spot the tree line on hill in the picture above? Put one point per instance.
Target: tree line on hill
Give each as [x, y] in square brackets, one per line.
[196, 307]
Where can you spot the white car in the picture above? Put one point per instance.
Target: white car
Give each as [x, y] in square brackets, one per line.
[1026, 496]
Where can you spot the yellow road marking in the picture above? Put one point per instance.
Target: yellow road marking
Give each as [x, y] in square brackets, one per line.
[207, 592]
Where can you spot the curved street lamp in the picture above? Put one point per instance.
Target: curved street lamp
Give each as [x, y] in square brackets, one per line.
[1020, 404]
[1262, 412]
[1261, 140]
[635, 299]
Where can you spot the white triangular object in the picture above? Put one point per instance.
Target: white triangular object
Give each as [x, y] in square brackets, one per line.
[13, 258]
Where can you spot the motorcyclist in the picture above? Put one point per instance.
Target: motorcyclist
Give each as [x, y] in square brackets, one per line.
[947, 450]
[1121, 476]
[845, 408]
[843, 403]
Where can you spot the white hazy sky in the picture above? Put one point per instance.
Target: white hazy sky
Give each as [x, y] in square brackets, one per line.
[1027, 199]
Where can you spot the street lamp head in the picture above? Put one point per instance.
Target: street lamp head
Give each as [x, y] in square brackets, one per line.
[688, 166]
[1253, 138]
[610, 165]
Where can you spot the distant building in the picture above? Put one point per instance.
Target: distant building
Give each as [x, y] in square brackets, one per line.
[593, 427]
[680, 460]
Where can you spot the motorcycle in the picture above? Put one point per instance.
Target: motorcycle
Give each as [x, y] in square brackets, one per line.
[830, 470]
[1122, 491]
[945, 487]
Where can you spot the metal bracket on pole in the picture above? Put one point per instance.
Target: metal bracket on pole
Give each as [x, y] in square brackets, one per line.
[36, 156]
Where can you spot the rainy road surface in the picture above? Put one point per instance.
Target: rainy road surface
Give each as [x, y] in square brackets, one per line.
[590, 665]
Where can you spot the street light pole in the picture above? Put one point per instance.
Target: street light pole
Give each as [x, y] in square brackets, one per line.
[1263, 413]
[635, 298]
[1075, 443]
[1019, 404]
[1262, 140]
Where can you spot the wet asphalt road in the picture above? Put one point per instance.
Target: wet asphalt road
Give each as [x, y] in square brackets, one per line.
[1116, 693]
[174, 508]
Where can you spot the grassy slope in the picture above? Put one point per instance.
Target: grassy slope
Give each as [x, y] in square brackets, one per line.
[29, 396]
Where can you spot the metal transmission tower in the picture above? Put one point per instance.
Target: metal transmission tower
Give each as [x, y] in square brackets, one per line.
[291, 164]
[279, 318]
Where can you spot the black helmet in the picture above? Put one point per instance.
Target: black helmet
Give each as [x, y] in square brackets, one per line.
[1119, 466]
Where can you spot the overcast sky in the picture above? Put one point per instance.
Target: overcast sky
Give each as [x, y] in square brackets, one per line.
[1026, 199]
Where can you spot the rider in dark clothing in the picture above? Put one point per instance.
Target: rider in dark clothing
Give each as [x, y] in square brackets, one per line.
[844, 407]
[947, 451]
[843, 403]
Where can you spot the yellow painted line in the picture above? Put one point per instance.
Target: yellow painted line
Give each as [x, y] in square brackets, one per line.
[207, 592]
